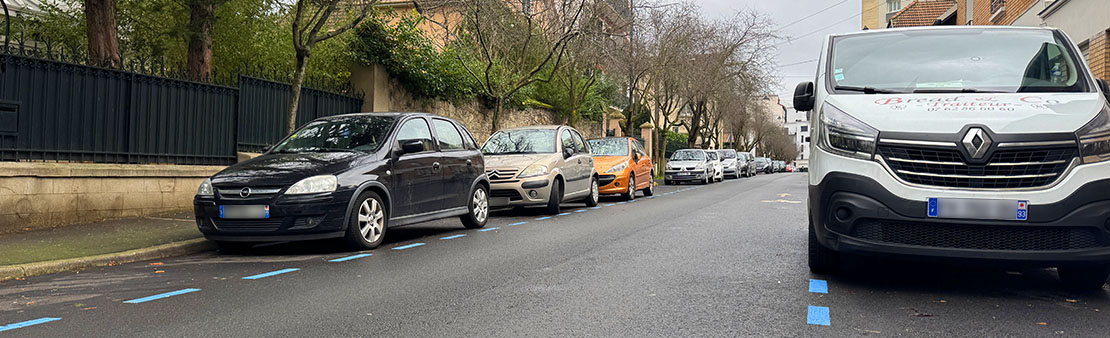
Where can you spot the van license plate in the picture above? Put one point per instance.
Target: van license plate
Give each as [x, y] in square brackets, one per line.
[968, 208]
[244, 211]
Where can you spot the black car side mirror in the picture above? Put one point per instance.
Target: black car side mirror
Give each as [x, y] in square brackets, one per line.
[804, 97]
[636, 157]
[411, 146]
[568, 152]
[1105, 88]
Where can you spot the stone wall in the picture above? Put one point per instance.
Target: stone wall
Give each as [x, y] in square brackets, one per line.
[384, 94]
[42, 195]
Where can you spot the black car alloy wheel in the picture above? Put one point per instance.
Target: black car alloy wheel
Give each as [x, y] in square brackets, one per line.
[368, 222]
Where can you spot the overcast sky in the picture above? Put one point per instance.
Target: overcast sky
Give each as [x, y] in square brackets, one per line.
[808, 34]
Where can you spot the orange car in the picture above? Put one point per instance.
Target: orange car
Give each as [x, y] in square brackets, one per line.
[623, 167]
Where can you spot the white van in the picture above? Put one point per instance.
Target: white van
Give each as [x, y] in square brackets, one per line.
[978, 144]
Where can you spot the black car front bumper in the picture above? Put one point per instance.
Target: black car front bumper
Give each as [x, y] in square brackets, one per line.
[290, 218]
[855, 214]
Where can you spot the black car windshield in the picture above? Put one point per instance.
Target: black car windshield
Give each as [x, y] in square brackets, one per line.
[971, 60]
[609, 147]
[356, 133]
[530, 141]
[688, 155]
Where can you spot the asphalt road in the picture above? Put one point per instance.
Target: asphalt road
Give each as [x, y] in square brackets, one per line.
[722, 260]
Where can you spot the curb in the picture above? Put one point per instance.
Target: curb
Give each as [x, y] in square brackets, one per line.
[181, 248]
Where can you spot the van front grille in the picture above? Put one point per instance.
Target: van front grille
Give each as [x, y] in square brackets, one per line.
[980, 237]
[1006, 169]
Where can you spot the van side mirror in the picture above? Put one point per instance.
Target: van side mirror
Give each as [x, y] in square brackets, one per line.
[803, 96]
[1105, 88]
[411, 146]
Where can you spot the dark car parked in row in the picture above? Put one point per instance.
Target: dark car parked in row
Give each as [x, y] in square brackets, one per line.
[353, 176]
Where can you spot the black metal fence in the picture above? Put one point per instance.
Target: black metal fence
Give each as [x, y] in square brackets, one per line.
[62, 111]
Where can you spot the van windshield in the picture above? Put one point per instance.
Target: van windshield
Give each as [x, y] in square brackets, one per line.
[955, 60]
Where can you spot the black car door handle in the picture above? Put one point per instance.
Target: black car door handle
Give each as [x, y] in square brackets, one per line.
[435, 166]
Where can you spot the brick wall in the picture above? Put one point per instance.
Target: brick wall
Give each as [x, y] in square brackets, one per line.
[1099, 51]
[1014, 9]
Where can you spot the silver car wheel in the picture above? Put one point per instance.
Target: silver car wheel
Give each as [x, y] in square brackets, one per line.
[632, 186]
[593, 191]
[371, 220]
[481, 205]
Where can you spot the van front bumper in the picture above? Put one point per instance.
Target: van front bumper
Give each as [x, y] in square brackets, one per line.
[856, 214]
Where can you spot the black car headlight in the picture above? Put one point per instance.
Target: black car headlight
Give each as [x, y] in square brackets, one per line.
[844, 135]
[1094, 138]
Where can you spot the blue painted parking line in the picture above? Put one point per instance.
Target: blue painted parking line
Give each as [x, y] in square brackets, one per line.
[818, 315]
[621, 202]
[271, 273]
[488, 229]
[818, 286]
[28, 323]
[610, 204]
[597, 207]
[452, 237]
[516, 224]
[160, 296]
[563, 214]
[543, 218]
[582, 210]
[344, 259]
[410, 246]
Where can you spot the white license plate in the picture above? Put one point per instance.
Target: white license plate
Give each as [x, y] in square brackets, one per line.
[968, 208]
[683, 174]
[245, 211]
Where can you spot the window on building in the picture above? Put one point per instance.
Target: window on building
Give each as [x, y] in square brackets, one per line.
[805, 128]
[1085, 49]
[997, 5]
[893, 6]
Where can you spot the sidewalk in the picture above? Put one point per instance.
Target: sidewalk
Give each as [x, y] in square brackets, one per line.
[102, 243]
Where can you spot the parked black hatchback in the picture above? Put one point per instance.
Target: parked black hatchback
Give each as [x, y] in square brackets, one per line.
[352, 176]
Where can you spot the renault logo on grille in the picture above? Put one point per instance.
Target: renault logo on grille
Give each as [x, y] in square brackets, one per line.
[246, 192]
[977, 142]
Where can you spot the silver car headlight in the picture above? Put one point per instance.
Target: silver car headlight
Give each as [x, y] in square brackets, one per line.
[844, 135]
[533, 171]
[1094, 138]
[205, 189]
[314, 185]
[617, 168]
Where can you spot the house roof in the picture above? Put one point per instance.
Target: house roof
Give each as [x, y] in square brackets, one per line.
[921, 13]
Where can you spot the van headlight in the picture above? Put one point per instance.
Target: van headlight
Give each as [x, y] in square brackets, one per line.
[617, 168]
[533, 171]
[205, 189]
[1094, 138]
[844, 135]
[314, 185]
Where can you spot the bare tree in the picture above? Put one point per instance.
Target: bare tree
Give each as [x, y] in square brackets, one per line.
[515, 43]
[309, 22]
[103, 32]
[202, 16]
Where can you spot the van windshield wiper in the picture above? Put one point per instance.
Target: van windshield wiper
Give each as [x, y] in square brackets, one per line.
[954, 90]
[867, 90]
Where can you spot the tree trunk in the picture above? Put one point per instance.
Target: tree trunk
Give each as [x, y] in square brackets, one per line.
[495, 120]
[103, 32]
[201, 17]
[295, 99]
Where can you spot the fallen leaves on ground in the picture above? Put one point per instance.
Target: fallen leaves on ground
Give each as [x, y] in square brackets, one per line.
[158, 263]
[1071, 301]
[1042, 323]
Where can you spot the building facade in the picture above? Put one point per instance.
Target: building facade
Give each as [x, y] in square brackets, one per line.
[798, 128]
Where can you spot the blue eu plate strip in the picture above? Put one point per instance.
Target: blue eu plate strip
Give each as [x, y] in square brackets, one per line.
[818, 286]
[818, 315]
[160, 296]
[28, 323]
[344, 259]
[453, 237]
[271, 273]
[410, 246]
[488, 229]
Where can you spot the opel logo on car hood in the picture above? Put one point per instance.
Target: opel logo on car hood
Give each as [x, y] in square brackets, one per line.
[246, 192]
[977, 142]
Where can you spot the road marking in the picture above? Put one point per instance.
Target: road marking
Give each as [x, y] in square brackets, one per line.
[488, 229]
[516, 224]
[632, 201]
[582, 210]
[597, 207]
[543, 218]
[28, 323]
[453, 237]
[563, 214]
[610, 204]
[160, 296]
[410, 246]
[650, 197]
[621, 202]
[271, 273]
[818, 315]
[783, 195]
[781, 201]
[344, 259]
[818, 286]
